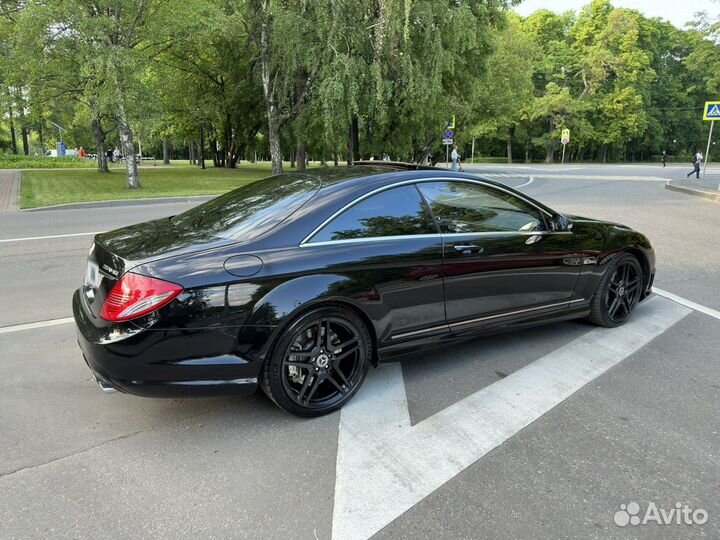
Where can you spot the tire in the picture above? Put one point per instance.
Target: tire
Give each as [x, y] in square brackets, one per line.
[319, 361]
[617, 293]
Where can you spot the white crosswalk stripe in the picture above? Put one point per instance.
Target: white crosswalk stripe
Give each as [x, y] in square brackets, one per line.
[385, 465]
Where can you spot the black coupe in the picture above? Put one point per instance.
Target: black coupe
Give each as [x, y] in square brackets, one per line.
[297, 283]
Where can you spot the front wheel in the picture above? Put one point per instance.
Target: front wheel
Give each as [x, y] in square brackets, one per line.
[319, 362]
[618, 292]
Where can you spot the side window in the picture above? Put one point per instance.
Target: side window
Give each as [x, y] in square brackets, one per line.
[397, 211]
[462, 207]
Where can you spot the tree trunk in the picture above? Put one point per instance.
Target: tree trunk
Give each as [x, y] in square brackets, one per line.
[202, 147]
[301, 157]
[335, 158]
[100, 145]
[550, 153]
[13, 137]
[233, 157]
[25, 143]
[509, 149]
[527, 151]
[166, 151]
[355, 137]
[215, 154]
[126, 139]
[42, 141]
[292, 158]
[353, 152]
[273, 114]
[191, 152]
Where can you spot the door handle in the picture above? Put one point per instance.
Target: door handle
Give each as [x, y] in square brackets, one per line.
[467, 248]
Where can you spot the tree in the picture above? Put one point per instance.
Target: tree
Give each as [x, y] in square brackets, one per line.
[505, 93]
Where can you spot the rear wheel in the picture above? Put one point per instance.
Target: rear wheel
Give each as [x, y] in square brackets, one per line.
[618, 292]
[319, 362]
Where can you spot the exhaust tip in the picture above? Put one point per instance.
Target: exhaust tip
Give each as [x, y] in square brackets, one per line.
[105, 387]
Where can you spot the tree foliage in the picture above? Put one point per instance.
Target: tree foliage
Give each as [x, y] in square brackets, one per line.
[226, 80]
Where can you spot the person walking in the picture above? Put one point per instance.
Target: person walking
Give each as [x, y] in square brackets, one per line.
[454, 156]
[696, 161]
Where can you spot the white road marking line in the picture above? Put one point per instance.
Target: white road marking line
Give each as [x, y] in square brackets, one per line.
[34, 325]
[688, 303]
[601, 178]
[48, 237]
[530, 181]
[385, 466]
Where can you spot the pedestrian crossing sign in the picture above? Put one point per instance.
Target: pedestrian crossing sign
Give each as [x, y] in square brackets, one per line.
[712, 110]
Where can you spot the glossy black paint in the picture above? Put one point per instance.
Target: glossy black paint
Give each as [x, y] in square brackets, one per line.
[413, 292]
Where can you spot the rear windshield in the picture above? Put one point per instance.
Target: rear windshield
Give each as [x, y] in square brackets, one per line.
[247, 212]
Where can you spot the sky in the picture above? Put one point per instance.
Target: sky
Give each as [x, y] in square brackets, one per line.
[677, 12]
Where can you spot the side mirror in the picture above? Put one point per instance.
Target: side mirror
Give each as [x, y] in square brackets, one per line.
[560, 223]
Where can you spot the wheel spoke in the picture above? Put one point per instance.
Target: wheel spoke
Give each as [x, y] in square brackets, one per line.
[318, 336]
[327, 335]
[632, 289]
[305, 385]
[612, 309]
[341, 348]
[626, 273]
[315, 385]
[347, 353]
[301, 354]
[332, 380]
[336, 367]
[306, 365]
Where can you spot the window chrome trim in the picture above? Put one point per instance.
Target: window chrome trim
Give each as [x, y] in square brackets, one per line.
[308, 238]
[369, 239]
[426, 236]
[487, 318]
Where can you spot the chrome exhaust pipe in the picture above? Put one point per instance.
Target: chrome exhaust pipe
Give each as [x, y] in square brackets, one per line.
[105, 387]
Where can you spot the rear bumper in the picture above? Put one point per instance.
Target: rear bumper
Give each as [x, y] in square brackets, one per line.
[165, 363]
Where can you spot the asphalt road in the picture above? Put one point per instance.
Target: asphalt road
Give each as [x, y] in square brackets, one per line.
[76, 463]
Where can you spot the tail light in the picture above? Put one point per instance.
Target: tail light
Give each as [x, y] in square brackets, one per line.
[135, 295]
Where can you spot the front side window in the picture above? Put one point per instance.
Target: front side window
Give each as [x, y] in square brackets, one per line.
[462, 207]
[396, 212]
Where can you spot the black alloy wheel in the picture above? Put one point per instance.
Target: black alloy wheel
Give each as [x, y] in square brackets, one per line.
[319, 362]
[618, 292]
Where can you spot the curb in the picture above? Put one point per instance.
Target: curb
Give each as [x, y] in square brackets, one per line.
[705, 194]
[123, 202]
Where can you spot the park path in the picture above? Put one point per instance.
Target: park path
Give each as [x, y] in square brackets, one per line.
[9, 188]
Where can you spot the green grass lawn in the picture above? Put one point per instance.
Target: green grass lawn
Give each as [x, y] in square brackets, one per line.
[46, 187]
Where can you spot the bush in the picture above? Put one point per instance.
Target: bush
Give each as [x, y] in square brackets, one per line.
[488, 159]
[12, 161]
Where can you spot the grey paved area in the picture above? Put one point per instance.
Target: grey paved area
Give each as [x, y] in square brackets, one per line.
[76, 463]
[9, 190]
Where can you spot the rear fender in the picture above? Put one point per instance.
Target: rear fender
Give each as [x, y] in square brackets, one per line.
[283, 303]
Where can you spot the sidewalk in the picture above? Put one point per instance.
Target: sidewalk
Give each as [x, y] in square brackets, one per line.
[706, 188]
[9, 190]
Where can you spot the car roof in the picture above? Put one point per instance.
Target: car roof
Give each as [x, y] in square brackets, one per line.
[375, 175]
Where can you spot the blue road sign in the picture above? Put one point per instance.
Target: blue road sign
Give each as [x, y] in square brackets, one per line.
[448, 134]
[712, 110]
